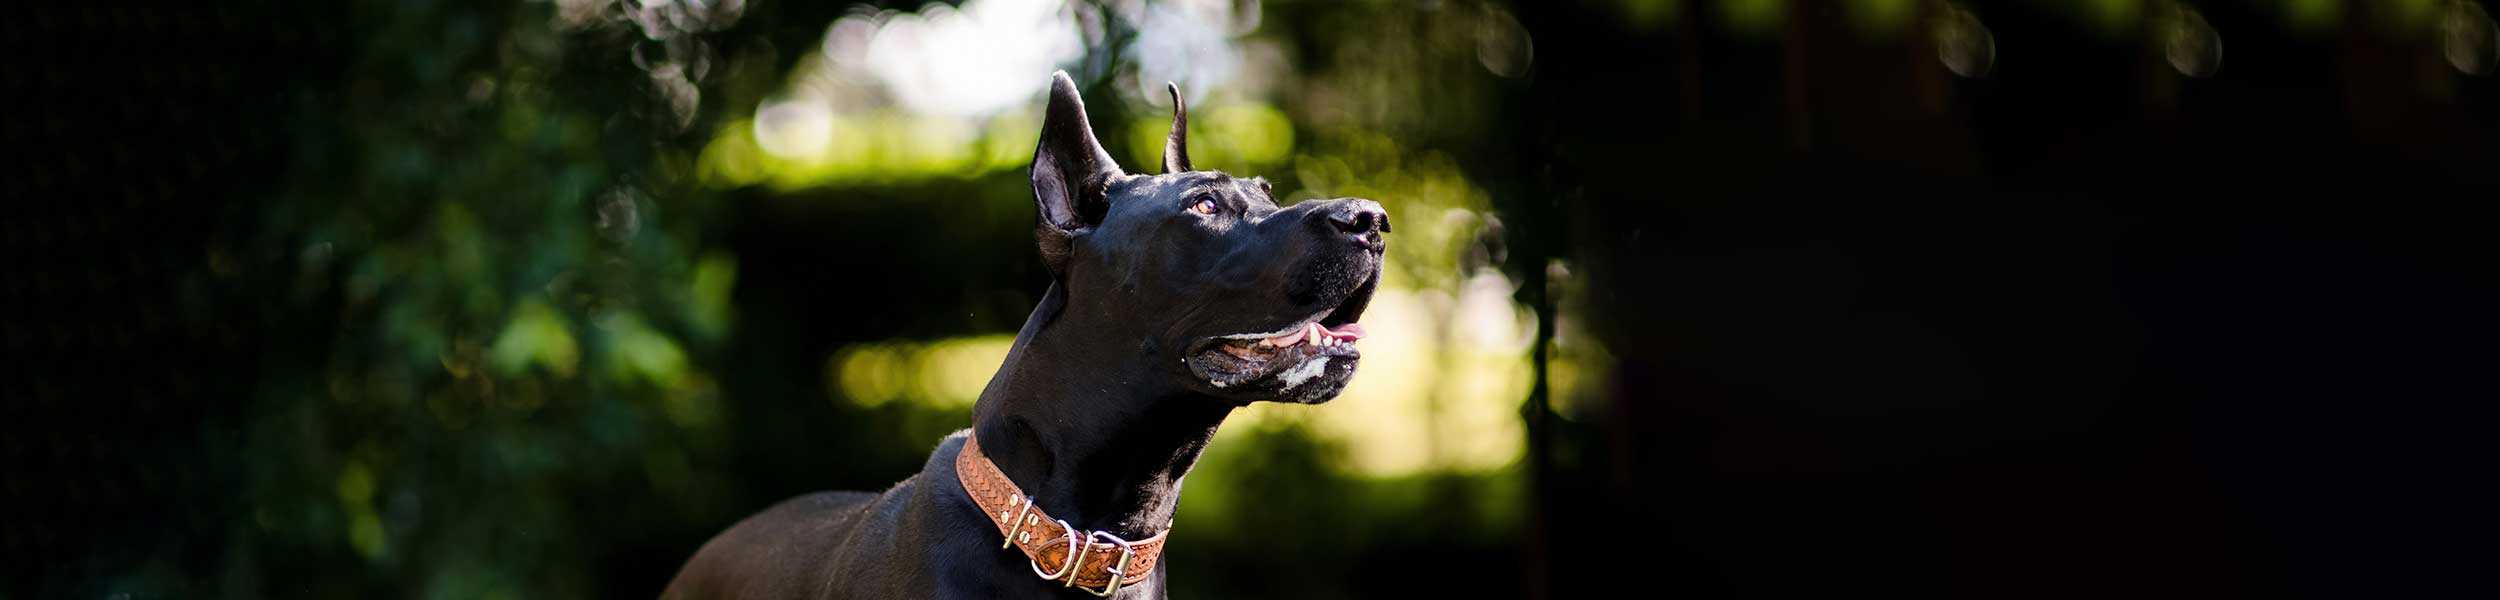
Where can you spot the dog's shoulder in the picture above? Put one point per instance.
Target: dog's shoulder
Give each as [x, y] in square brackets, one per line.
[948, 446]
[769, 554]
[786, 551]
[937, 483]
[828, 512]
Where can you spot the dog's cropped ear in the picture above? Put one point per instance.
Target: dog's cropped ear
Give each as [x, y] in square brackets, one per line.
[1071, 174]
[1176, 145]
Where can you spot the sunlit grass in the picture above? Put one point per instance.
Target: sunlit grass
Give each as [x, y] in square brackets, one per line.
[947, 373]
[802, 144]
[865, 149]
[1233, 136]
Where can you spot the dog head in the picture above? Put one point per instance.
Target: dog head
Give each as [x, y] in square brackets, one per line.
[1232, 295]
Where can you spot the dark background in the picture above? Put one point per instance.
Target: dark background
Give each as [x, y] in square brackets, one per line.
[2082, 326]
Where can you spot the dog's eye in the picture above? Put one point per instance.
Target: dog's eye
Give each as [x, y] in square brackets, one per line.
[1204, 206]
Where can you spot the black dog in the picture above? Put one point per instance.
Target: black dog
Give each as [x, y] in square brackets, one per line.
[1176, 298]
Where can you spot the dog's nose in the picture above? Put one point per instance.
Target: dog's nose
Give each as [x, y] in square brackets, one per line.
[1362, 220]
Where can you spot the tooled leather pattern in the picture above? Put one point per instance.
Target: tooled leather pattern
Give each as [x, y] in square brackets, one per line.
[1042, 538]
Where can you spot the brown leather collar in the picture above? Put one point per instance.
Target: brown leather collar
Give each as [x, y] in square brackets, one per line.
[1105, 562]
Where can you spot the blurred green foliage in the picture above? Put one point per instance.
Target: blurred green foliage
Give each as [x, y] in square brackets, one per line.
[495, 216]
[515, 223]
[519, 228]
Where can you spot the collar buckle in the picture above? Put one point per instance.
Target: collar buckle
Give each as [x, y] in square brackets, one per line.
[1118, 572]
[1078, 550]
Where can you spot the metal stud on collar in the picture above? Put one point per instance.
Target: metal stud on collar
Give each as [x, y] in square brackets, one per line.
[1023, 517]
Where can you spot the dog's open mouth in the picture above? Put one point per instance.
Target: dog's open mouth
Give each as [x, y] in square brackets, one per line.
[1307, 361]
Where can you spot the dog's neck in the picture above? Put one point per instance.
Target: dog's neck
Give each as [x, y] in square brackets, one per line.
[1089, 428]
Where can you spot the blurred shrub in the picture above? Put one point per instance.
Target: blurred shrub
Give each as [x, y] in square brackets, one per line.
[492, 211]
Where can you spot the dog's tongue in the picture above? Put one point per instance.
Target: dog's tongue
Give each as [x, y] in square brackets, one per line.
[1349, 331]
